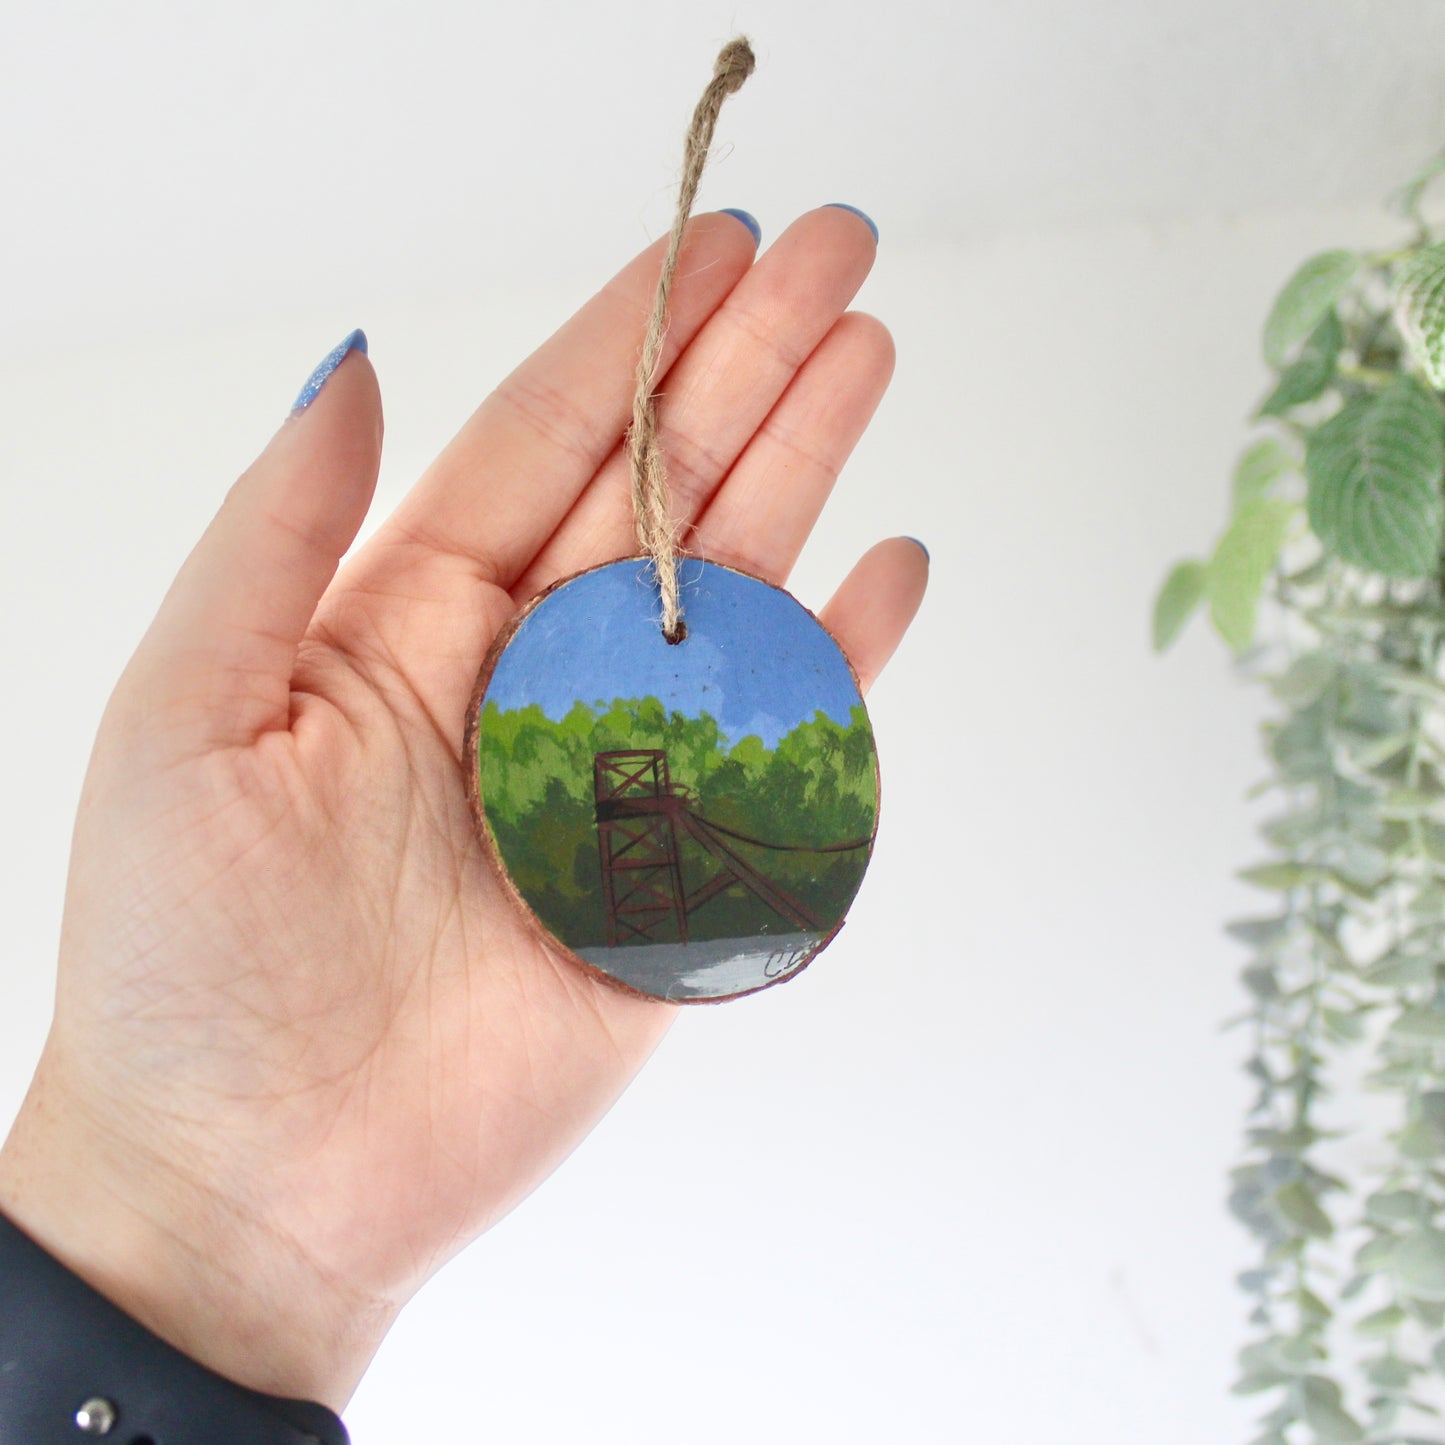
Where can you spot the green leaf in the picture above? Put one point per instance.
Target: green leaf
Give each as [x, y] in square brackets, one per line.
[1429, 902]
[1294, 1140]
[1418, 1141]
[1375, 1253]
[1300, 1352]
[1259, 468]
[1301, 748]
[1431, 1107]
[1420, 1025]
[1182, 592]
[1374, 473]
[1286, 1251]
[1402, 804]
[1301, 305]
[1260, 1357]
[1257, 1384]
[1281, 876]
[1311, 372]
[1263, 1364]
[1438, 1355]
[1296, 831]
[1324, 1413]
[1419, 1264]
[1305, 679]
[1299, 1207]
[1385, 1410]
[1411, 682]
[1362, 866]
[1420, 309]
[1396, 1206]
[1348, 1028]
[1312, 1306]
[1261, 981]
[1259, 932]
[1242, 561]
[1389, 1373]
[1399, 970]
[1382, 1322]
[1354, 1287]
[1379, 753]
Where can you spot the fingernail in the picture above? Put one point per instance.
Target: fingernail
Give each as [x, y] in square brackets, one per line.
[748, 219]
[862, 216]
[920, 547]
[333, 358]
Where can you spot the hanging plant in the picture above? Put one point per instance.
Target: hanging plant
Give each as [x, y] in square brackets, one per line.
[1335, 533]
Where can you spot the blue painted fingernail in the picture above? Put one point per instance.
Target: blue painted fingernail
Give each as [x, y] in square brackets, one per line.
[920, 547]
[333, 358]
[862, 216]
[748, 219]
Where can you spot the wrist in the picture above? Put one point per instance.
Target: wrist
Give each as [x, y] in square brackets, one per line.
[195, 1268]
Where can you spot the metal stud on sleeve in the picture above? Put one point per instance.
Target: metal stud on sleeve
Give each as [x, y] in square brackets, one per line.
[96, 1416]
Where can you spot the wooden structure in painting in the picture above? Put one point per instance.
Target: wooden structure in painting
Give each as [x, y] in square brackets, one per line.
[641, 815]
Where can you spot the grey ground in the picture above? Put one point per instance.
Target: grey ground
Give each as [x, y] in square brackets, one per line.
[713, 968]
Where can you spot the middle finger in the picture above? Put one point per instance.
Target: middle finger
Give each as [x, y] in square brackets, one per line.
[723, 386]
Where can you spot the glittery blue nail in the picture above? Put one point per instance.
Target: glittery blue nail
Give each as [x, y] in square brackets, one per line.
[862, 216]
[333, 358]
[920, 547]
[748, 219]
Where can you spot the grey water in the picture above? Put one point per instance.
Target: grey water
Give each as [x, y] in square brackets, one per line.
[710, 968]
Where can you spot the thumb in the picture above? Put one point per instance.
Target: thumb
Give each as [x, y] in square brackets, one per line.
[215, 667]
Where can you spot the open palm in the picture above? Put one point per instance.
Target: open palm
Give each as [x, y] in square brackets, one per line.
[304, 1047]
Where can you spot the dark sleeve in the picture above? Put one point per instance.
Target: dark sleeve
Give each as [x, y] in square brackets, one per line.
[73, 1368]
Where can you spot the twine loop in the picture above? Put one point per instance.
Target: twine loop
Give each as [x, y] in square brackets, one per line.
[657, 531]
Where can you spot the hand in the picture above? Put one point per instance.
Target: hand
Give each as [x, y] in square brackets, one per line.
[304, 1049]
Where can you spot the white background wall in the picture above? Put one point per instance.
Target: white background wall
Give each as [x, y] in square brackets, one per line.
[964, 1179]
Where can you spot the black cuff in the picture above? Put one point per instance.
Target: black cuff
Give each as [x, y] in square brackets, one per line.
[72, 1363]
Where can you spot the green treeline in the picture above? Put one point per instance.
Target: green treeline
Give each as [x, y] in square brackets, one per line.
[818, 786]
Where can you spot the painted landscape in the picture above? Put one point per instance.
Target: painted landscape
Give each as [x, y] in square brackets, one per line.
[699, 839]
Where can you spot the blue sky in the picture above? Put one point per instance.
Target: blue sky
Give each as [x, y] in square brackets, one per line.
[753, 658]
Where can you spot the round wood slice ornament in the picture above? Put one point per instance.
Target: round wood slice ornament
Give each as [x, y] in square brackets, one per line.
[689, 819]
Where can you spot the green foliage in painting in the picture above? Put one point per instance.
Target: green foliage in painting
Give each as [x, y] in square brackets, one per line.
[817, 788]
[1328, 580]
